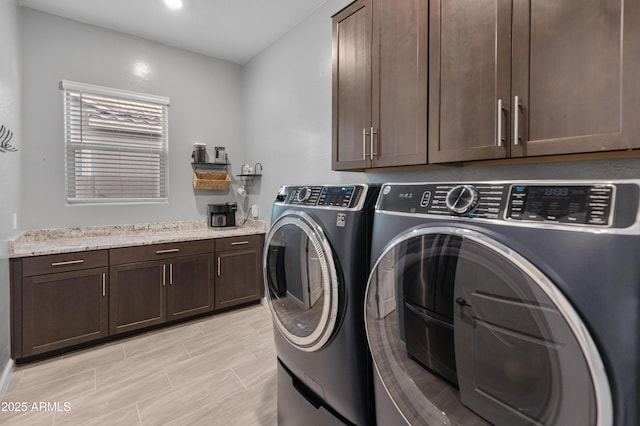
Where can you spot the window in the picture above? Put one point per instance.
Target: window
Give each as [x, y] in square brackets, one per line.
[116, 145]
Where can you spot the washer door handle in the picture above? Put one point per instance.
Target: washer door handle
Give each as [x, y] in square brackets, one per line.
[460, 301]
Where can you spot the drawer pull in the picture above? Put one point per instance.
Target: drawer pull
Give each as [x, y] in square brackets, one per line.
[167, 251]
[68, 262]
[240, 243]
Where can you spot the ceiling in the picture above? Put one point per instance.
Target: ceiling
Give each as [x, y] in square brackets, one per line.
[234, 30]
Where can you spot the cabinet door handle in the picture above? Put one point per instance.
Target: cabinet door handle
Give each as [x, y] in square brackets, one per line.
[499, 137]
[516, 116]
[364, 144]
[104, 284]
[68, 262]
[164, 275]
[167, 251]
[171, 274]
[240, 243]
[373, 143]
[219, 269]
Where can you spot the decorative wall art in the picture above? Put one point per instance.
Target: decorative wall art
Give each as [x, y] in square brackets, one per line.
[5, 138]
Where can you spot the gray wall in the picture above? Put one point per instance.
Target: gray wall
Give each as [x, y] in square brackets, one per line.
[287, 107]
[206, 96]
[9, 164]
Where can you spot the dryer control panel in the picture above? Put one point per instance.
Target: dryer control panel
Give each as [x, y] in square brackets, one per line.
[591, 204]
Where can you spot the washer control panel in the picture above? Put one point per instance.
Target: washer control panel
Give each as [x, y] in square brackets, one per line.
[591, 204]
[330, 196]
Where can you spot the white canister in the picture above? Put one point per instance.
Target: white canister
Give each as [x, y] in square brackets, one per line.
[247, 169]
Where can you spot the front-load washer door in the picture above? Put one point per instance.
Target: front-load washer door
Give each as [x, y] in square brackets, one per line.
[464, 330]
[301, 281]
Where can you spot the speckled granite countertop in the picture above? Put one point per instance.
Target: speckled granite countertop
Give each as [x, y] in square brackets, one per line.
[65, 240]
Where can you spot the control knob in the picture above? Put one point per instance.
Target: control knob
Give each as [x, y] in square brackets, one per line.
[303, 194]
[461, 199]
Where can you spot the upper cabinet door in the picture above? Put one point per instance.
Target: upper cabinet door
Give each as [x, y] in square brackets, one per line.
[514, 78]
[399, 75]
[380, 84]
[575, 73]
[469, 79]
[506, 78]
[352, 87]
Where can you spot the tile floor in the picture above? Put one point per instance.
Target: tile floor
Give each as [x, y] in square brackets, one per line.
[218, 370]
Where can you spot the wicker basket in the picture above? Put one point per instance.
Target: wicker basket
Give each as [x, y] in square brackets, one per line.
[211, 180]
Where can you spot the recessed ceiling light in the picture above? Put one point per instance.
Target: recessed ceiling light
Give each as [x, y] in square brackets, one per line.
[173, 4]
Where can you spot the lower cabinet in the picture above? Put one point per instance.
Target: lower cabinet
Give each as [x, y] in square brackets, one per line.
[190, 291]
[138, 296]
[238, 270]
[58, 301]
[159, 283]
[63, 300]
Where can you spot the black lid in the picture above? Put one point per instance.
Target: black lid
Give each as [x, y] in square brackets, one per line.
[218, 208]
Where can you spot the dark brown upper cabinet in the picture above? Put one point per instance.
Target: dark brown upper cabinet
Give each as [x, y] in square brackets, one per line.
[520, 78]
[379, 106]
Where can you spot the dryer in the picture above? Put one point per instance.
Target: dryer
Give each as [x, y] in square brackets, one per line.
[507, 303]
[316, 264]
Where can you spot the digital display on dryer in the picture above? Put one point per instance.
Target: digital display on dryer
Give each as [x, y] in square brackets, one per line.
[563, 204]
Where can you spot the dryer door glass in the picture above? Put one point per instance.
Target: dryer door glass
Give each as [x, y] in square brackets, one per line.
[301, 280]
[464, 330]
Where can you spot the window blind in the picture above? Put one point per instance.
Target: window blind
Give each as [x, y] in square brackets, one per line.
[116, 145]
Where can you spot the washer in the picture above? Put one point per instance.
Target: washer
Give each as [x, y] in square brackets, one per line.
[316, 265]
[506, 303]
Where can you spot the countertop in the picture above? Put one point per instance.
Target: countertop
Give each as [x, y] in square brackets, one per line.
[65, 240]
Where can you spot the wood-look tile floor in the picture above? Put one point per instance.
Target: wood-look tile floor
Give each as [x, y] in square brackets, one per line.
[218, 370]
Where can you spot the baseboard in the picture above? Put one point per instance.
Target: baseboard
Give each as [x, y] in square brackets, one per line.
[5, 378]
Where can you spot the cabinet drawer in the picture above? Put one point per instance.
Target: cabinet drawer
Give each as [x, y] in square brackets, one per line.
[238, 243]
[125, 255]
[66, 262]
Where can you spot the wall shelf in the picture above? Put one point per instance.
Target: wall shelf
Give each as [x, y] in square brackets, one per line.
[247, 178]
[210, 166]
